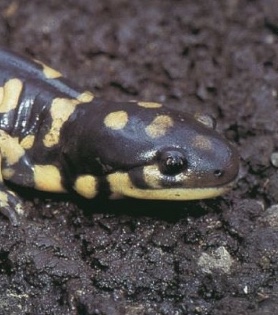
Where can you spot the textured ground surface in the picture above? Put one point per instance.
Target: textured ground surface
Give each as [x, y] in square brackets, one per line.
[133, 257]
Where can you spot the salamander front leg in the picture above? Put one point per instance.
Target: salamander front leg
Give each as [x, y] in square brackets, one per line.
[22, 174]
[10, 205]
[16, 168]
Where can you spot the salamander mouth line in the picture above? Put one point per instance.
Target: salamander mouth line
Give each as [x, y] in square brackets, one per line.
[121, 184]
[176, 194]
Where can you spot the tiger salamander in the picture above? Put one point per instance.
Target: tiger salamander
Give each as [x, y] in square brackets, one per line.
[56, 137]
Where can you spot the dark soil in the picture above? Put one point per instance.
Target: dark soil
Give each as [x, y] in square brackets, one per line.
[217, 257]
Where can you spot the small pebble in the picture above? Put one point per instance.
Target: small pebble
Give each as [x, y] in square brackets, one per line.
[271, 216]
[274, 159]
[219, 259]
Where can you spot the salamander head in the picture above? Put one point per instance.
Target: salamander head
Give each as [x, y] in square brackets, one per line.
[157, 153]
[170, 155]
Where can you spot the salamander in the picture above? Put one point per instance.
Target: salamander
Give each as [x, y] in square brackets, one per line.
[56, 137]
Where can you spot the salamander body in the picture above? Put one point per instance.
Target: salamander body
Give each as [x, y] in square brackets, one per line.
[55, 137]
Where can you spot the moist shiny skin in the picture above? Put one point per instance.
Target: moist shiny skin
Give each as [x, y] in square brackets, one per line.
[56, 137]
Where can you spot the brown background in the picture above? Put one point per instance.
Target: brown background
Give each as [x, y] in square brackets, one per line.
[136, 257]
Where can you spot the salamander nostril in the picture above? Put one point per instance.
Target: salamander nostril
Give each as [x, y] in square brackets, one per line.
[218, 173]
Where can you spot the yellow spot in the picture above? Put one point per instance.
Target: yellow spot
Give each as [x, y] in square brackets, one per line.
[19, 209]
[27, 142]
[202, 142]
[49, 72]
[206, 120]
[8, 173]
[121, 184]
[159, 126]
[10, 148]
[149, 104]
[9, 95]
[3, 199]
[61, 109]
[1, 95]
[48, 178]
[1, 173]
[85, 97]
[116, 120]
[86, 186]
[152, 176]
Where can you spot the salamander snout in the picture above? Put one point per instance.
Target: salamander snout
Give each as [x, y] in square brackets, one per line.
[200, 166]
[213, 165]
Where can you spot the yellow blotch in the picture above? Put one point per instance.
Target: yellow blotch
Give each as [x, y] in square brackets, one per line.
[86, 186]
[116, 120]
[159, 126]
[1, 94]
[49, 72]
[85, 97]
[149, 104]
[202, 142]
[27, 142]
[1, 173]
[3, 199]
[8, 173]
[4, 202]
[10, 148]
[152, 176]
[9, 95]
[19, 209]
[61, 109]
[48, 178]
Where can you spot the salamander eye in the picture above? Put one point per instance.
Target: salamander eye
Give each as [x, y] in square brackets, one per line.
[172, 162]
